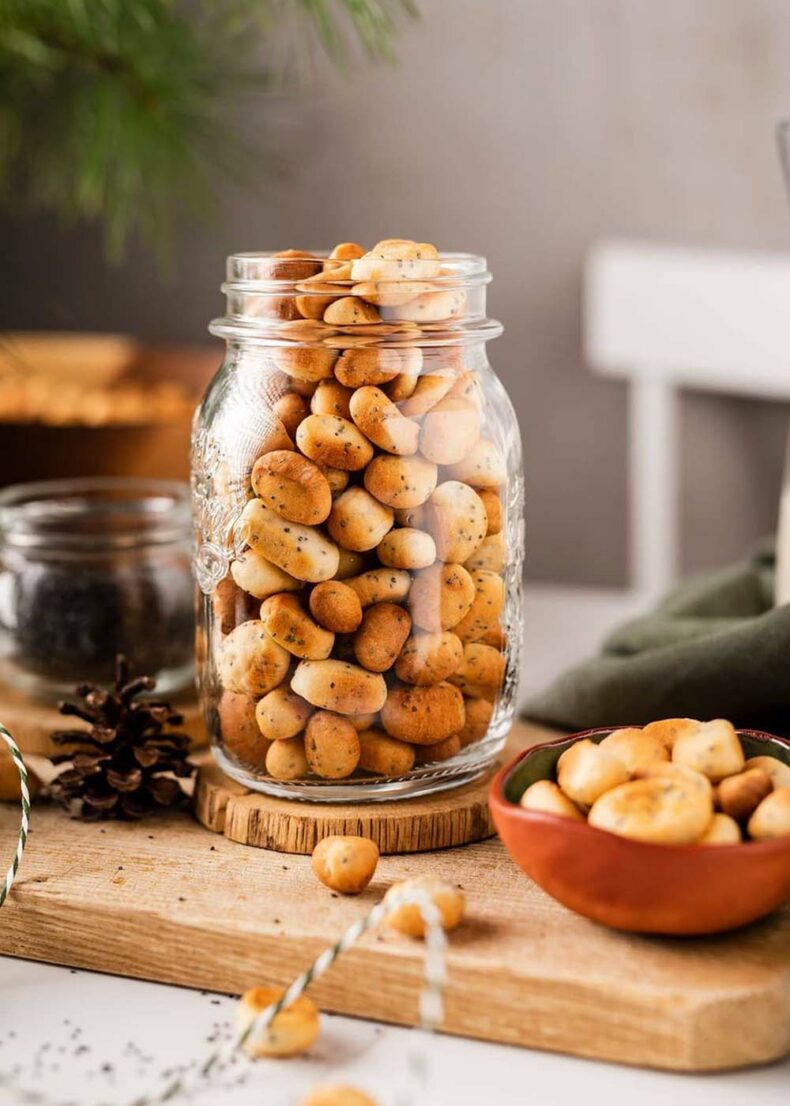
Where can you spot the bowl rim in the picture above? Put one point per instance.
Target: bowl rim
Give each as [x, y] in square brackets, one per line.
[499, 802]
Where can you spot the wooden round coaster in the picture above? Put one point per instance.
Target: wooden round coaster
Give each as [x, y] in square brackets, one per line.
[438, 821]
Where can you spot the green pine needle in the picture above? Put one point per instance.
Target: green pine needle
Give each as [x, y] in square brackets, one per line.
[122, 112]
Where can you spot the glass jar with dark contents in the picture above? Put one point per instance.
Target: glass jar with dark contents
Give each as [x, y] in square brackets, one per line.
[90, 568]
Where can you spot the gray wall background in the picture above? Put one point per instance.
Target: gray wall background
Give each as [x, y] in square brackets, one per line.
[521, 129]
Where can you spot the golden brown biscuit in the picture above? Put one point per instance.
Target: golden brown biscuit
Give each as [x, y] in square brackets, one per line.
[430, 388]
[400, 482]
[293, 1030]
[481, 672]
[384, 755]
[336, 607]
[365, 365]
[290, 409]
[775, 769]
[331, 398]
[345, 863]
[429, 658]
[479, 713]
[406, 547]
[381, 585]
[287, 623]
[347, 251]
[493, 505]
[772, 816]
[722, 830]
[382, 422]
[378, 641]
[408, 919]
[661, 810]
[305, 363]
[358, 521]
[668, 730]
[281, 714]
[441, 596]
[456, 519]
[349, 564]
[339, 686]
[331, 745]
[442, 750]
[250, 663]
[423, 715]
[636, 749]
[301, 551]
[585, 772]
[712, 748]
[286, 760]
[486, 609]
[668, 769]
[334, 442]
[230, 604]
[490, 555]
[292, 486]
[546, 797]
[741, 794]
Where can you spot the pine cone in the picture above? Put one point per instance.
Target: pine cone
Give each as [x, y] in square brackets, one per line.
[126, 765]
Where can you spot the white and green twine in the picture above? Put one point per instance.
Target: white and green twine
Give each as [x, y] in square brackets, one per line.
[431, 997]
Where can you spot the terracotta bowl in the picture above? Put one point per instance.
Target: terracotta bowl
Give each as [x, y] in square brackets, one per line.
[632, 885]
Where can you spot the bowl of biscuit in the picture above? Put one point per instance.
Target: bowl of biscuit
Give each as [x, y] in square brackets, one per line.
[676, 827]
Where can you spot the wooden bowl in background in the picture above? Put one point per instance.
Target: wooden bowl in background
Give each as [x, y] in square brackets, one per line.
[632, 885]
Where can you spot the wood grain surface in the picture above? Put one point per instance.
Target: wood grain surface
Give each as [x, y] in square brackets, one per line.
[169, 901]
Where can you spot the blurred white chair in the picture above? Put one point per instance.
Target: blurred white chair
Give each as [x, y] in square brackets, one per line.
[666, 318]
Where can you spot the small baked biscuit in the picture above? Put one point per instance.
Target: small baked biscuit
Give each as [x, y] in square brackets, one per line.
[363, 721]
[331, 745]
[384, 755]
[382, 422]
[330, 398]
[349, 564]
[378, 641]
[741, 794]
[287, 623]
[331, 1094]
[775, 769]
[481, 672]
[381, 585]
[406, 547]
[429, 658]
[231, 605]
[468, 386]
[449, 430]
[442, 750]
[301, 551]
[347, 251]
[423, 715]
[493, 505]
[772, 816]
[441, 596]
[286, 760]
[635, 749]
[456, 519]
[484, 466]
[430, 388]
[358, 521]
[337, 479]
[336, 607]
[667, 769]
[585, 771]
[722, 830]
[490, 555]
[259, 577]
[365, 365]
[660, 810]
[339, 686]
[712, 748]
[290, 409]
[334, 442]
[351, 311]
[390, 293]
[400, 482]
[486, 609]
[293, 1030]
[250, 662]
[239, 729]
[345, 863]
[408, 919]
[281, 714]
[292, 486]
[668, 730]
[546, 797]
[479, 713]
[306, 363]
[395, 259]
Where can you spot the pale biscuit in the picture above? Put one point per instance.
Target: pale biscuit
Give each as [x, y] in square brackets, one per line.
[381, 585]
[358, 521]
[585, 772]
[661, 810]
[293, 1030]
[339, 686]
[250, 662]
[636, 749]
[712, 748]
[449, 430]
[281, 714]
[346, 864]
[429, 389]
[405, 547]
[772, 817]
[490, 555]
[544, 796]
[667, 730]
[777, 770]
[294, 487]
[722, 830]
[301, 551]
[441, 596]
[484, 466]
[396, 259]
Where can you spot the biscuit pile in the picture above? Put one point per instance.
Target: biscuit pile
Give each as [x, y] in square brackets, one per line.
[675, 782]
[361, 626]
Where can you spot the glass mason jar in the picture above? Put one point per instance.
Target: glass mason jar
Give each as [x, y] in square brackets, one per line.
[358, 500]
[90, 568]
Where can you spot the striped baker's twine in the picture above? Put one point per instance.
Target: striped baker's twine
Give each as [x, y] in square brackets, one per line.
[24, 824]
[431, 999]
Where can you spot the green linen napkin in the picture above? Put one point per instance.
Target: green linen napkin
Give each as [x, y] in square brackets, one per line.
[714, 648]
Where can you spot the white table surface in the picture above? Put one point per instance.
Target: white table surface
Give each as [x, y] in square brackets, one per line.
[100, 1039]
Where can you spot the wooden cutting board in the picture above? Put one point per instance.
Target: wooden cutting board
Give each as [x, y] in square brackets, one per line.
[169, 901]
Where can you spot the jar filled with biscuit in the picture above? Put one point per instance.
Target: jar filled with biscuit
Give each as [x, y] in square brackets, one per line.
[358, 501]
